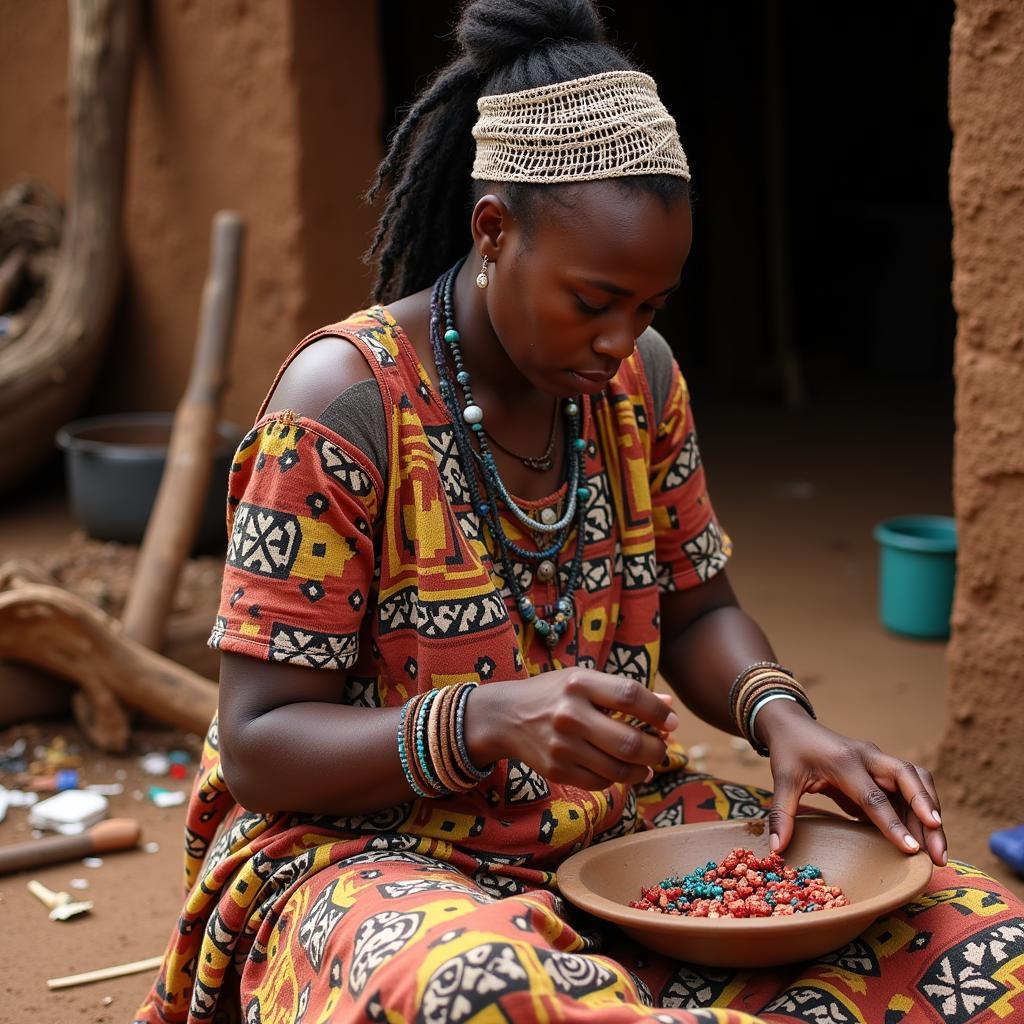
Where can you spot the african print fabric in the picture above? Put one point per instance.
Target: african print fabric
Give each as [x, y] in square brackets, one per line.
[447, 910]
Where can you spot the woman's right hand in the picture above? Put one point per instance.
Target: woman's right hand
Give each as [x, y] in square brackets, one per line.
[559, 724]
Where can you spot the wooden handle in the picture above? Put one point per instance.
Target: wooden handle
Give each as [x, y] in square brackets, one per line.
[115, 834]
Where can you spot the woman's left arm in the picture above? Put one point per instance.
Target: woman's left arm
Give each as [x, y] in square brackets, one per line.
[707, 640]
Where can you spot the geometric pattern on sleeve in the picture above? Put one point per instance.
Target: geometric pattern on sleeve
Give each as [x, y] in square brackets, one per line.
[300, 646]
[685, 464]
[707, 551]
[264, 541]
[345, 470]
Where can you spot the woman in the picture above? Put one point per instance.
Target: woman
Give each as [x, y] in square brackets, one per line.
[467, 529]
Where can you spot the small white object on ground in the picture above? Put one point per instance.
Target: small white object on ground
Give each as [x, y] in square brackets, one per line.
[107, 1000]
[155, 763]
[167, 797]
[92, 862]
[106, 788]
[62, 907]
[150, 847]
[79, 883]
[69, 813]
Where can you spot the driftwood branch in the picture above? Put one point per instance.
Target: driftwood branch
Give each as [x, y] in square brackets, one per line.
[56, 631]
[46, 374]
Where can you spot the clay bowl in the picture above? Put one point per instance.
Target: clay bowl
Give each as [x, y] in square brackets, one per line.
[874, 875]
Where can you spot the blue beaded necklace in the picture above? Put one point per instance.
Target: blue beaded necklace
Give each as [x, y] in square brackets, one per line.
[552, 621]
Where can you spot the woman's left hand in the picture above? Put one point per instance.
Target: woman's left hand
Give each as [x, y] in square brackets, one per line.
[806, 757]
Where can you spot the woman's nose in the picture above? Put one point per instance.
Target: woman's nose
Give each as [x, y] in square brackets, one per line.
[616, 343]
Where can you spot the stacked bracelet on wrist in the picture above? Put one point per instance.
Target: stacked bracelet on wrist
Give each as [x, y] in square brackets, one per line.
[432, 743]
[757, 685]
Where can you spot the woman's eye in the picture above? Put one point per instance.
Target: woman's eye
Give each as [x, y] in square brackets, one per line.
[587, 308]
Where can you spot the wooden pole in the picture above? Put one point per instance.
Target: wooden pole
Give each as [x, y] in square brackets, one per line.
[172, 525]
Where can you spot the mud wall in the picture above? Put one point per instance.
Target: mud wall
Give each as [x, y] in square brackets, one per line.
[982, 758]
[269, 108]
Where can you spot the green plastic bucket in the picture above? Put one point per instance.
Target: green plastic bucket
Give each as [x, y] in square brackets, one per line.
[917, 573]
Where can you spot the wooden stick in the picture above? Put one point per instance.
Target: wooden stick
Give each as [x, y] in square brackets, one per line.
[179, 504]
[106, 973]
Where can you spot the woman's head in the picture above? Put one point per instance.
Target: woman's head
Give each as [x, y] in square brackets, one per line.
[573, 288]
[507, 46]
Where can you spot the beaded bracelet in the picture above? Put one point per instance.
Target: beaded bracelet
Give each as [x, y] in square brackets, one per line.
[425, 763]
[432, 743]
[403, 755]
[778, 695]
[754, 686]
[737, 682]
[465, 761]
[777, 685]
[757, 686]
[794, 691]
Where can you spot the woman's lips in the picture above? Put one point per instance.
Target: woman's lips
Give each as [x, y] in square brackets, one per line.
[592, 380]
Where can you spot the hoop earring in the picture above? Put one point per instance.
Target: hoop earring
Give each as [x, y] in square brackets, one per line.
[482, 280]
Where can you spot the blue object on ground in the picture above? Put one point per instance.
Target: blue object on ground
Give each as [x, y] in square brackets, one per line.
[1008, 845]
[917, 574]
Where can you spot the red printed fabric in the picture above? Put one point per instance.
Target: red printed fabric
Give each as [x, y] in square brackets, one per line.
[393, 581]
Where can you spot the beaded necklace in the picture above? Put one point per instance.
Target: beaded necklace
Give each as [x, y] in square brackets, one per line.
[552, 621]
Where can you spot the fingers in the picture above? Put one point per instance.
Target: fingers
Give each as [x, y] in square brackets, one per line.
[619, 752]
[785, 802]
[916, 787]
[627, 696]
[611, 769]
[925, 818]
[866, 792]
[851, 807]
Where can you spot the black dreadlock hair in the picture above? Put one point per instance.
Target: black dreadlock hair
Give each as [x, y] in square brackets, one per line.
[505, 46]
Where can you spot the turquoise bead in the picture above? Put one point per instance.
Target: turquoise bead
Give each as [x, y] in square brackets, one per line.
[580, 444]
[451, 336]
[462, 377]
[583, 492]
[542, 626]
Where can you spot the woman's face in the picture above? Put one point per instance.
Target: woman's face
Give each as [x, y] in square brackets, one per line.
[569, 296]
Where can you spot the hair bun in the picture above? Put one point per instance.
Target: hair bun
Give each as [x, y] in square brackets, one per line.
[493, 33]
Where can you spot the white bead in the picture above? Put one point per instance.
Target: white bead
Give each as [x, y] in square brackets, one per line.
[473, 414]
[548, 515]
[572, 408]
[546, 570]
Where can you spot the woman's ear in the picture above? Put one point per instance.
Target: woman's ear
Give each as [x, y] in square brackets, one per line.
[490, 224]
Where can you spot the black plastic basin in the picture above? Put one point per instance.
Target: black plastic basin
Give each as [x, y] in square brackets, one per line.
[113, 466]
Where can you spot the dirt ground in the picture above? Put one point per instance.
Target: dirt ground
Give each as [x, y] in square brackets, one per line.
[799, 496]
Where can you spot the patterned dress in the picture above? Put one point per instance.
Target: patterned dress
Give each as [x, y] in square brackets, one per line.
[447, 911]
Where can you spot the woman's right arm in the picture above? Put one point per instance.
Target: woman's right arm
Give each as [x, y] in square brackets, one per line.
[286, 741]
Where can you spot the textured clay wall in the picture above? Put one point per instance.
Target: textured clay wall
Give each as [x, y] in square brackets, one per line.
[243, 104]
[983, 751]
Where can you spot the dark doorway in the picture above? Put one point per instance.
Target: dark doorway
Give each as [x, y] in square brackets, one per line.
[819, 141]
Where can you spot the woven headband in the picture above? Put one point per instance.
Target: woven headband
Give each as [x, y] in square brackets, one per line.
[610, 125]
